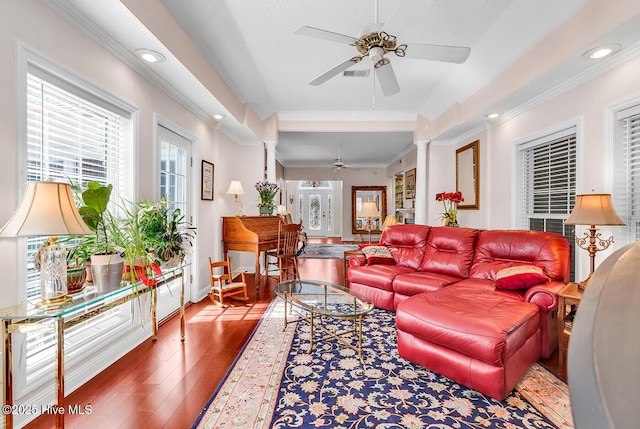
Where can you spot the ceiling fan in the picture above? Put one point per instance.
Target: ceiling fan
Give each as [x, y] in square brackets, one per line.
[338, 164]
[375, 43]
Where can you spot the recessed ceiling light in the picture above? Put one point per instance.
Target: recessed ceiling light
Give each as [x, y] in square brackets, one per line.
[150, 55]
[218, 116]
[602, 51]
[492, 115]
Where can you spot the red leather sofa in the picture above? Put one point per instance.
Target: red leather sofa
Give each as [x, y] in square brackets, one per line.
[451, 318]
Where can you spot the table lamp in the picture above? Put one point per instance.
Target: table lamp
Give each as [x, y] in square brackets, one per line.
[592, 210]
[388, 221]
[236, 189]
[48, 208]
[369, 211]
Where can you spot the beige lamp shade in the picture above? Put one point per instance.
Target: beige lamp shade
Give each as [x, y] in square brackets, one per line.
[388, 221]
[369, 210]
[47, 208]
[593, 209]
[235, 188]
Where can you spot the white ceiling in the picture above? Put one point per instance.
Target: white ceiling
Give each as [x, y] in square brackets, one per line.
[251, 46]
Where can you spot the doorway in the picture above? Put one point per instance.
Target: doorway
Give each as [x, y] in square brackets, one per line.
[316, 207]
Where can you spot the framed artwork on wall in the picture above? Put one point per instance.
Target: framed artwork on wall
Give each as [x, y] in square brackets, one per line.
[206, 181]
[468, 175]
[410, 184]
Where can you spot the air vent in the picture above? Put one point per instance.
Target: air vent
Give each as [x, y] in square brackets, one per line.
[356, 73]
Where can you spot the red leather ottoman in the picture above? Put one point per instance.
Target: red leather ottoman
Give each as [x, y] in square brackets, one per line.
[483, 340]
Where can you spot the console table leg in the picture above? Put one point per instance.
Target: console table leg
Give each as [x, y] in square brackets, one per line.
[60, 372]
[7, 376]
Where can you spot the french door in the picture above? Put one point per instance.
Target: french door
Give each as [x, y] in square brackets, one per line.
[316, 208]
[175, 161]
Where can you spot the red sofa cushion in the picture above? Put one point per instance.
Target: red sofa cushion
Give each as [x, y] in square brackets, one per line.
[376, 276]
[520, 277]
[377, 254]
[418, 282]
[490, 327]
[406, 243]
[499, 249]
[449, 251]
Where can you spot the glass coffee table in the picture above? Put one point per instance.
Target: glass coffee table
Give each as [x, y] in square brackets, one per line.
[316, 301]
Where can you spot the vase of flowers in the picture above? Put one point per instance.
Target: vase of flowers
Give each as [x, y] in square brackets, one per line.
[267, 191]
[450, 202]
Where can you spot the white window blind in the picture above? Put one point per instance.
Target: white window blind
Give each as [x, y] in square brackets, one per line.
[626, 181]
[548, 183]
[70, 139]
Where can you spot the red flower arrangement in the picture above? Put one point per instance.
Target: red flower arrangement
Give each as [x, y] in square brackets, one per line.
[450, 215]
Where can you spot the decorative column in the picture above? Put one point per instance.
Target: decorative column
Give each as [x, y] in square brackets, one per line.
[270, 146]
[421, 182]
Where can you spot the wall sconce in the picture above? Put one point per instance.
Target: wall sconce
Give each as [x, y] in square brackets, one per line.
[290, 199]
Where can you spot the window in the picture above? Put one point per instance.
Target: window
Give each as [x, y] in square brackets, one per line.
[72, 131]
[547, 184]
[71, 138]
[626, 168]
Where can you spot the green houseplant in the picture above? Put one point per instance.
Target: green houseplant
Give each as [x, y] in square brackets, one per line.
[106, 264]
[166, 231]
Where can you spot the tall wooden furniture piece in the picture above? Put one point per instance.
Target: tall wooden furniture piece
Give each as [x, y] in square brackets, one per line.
[250, 234]
[222, 284]
[286, 252]
[569, 298]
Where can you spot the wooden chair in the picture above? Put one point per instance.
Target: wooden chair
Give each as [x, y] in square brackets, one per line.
[285, 255]
[222, 284]
[302, 237]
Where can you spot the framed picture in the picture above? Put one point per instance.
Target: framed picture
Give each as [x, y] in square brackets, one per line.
[410, 184]
[207, 181]
[468, 175]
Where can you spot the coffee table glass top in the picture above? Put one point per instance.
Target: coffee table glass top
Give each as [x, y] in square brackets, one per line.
[322, 298]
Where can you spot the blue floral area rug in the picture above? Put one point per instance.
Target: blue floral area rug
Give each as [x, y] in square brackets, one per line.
[278, 383]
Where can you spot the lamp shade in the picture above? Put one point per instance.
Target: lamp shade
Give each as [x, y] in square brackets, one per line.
[369, 210]
[388, 221]
[593, 209]
[235, 188]
[47, 208]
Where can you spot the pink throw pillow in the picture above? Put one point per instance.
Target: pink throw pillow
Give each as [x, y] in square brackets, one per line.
[378, 255]
[520, 277]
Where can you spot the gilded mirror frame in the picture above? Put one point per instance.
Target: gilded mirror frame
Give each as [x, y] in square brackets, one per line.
[381, 202]
[468, 175]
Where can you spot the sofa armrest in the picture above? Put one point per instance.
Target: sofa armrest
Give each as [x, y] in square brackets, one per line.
[357, 261]
[545, 295]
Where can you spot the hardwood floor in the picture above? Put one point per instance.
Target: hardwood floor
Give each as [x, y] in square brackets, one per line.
[167, 383]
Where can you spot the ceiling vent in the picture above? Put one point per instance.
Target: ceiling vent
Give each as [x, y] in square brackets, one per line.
[356, 73]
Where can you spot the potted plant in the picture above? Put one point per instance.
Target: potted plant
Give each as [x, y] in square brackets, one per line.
[267, 192]
[106, 264]
[450, 215]
[166, 232]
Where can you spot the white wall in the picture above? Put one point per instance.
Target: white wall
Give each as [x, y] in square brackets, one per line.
[587, 105]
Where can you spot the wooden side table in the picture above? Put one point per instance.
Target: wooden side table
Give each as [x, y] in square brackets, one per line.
[347, 255]
[569, 298]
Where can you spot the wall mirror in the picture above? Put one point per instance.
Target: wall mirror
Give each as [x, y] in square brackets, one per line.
[468, 175]
[361, 195]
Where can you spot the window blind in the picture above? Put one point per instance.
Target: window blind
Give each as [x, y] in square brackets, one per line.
[626, 186]
[548, 184]
[69, 139]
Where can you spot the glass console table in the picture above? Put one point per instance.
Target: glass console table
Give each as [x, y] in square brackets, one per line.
[26, 317]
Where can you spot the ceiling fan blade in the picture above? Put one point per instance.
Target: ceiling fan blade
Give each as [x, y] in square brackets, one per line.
[324, 34]
[449, 54]
[387, 79]
[334, 71]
